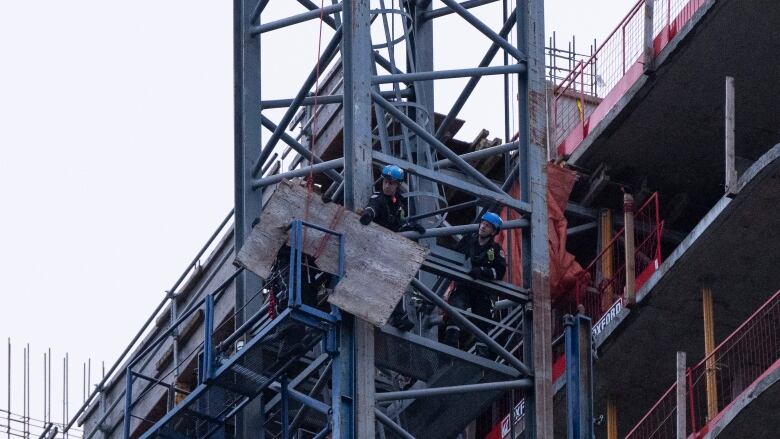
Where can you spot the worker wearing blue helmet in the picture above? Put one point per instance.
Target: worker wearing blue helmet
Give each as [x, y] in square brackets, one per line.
[386, 208]
[485, 261]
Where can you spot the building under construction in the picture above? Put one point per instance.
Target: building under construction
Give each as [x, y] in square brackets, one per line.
[637, 185]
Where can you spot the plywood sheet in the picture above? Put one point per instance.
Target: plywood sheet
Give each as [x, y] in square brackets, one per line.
[379, 263]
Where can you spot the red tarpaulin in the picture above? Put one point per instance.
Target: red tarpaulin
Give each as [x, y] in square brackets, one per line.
[564, 269]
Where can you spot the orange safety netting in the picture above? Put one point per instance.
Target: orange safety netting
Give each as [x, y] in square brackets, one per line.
[564, 269]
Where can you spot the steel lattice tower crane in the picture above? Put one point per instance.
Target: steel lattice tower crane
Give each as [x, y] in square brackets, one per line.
[411, 109]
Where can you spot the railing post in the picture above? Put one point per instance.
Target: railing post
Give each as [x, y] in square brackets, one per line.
[628, 209]
[681, 400]
[208, 341]
[128, 401]
[709, 347]
[691, 401]
[649, 50]
[731, 170]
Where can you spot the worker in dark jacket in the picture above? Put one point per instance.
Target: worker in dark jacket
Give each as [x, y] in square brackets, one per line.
[385, 208]
[486, 260]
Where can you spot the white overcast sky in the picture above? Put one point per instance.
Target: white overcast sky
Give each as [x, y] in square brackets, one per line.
[116, 152]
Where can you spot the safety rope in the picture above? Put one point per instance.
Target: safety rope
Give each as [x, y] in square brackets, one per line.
[272, 302]
[310, 179]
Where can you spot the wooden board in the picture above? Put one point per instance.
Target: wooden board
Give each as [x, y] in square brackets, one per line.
[379, 263]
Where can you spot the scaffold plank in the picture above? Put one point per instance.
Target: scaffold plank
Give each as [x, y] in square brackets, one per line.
[379, 263]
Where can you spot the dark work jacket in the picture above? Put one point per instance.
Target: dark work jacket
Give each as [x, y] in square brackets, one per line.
[387, 211]
[489, 257]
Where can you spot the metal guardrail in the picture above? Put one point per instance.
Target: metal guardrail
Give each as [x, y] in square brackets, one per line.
[605, 281]
[599, 292]
[584, 97]
[720, 378]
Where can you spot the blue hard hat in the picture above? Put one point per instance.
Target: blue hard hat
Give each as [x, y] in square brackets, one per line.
[393, 172]
[494, 220]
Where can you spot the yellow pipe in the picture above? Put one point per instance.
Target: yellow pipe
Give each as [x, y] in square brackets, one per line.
[709, 346]
[612, 431]
[607, 262]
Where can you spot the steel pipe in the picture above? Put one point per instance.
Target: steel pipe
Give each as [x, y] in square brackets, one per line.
[456, 182]
[454, 390]
[306, 170]
[302, 398]
[441, 12]
[472, 84]
[447, 209]
[327, 55]
[457, 230]
[477, 155]
[448, 74]
[327, 99]
[384, 419]
[295, 19]
[300, 149]
[455, 314]
[485, 29]
[434, 142]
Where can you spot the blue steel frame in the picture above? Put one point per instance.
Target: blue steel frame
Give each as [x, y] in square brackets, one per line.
[579, 377]
[296, 310]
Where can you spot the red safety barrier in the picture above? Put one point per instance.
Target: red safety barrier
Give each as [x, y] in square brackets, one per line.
[599, 294]
[603, 287]
[728, 371]
[596, 84]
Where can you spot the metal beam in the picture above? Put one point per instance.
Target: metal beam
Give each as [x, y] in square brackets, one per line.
[455, 314]
[295, 19]
[300, 172]
[571, 231]
[327, 99]
[381, 417]
[453, 390]
[247, 132]
[478, 155]
[449, 74]
[327, 56]
[579, 377]
[358, 178]
[485, 29]
[441, 12]
[470, 188]
[436, 144]
[532, 126]
[459, 230]
[472, 84]
[300, 149]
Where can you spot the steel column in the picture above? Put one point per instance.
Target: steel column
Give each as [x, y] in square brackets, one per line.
[579, 377]
[358, 177]
[248, 202]
[533, 188]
